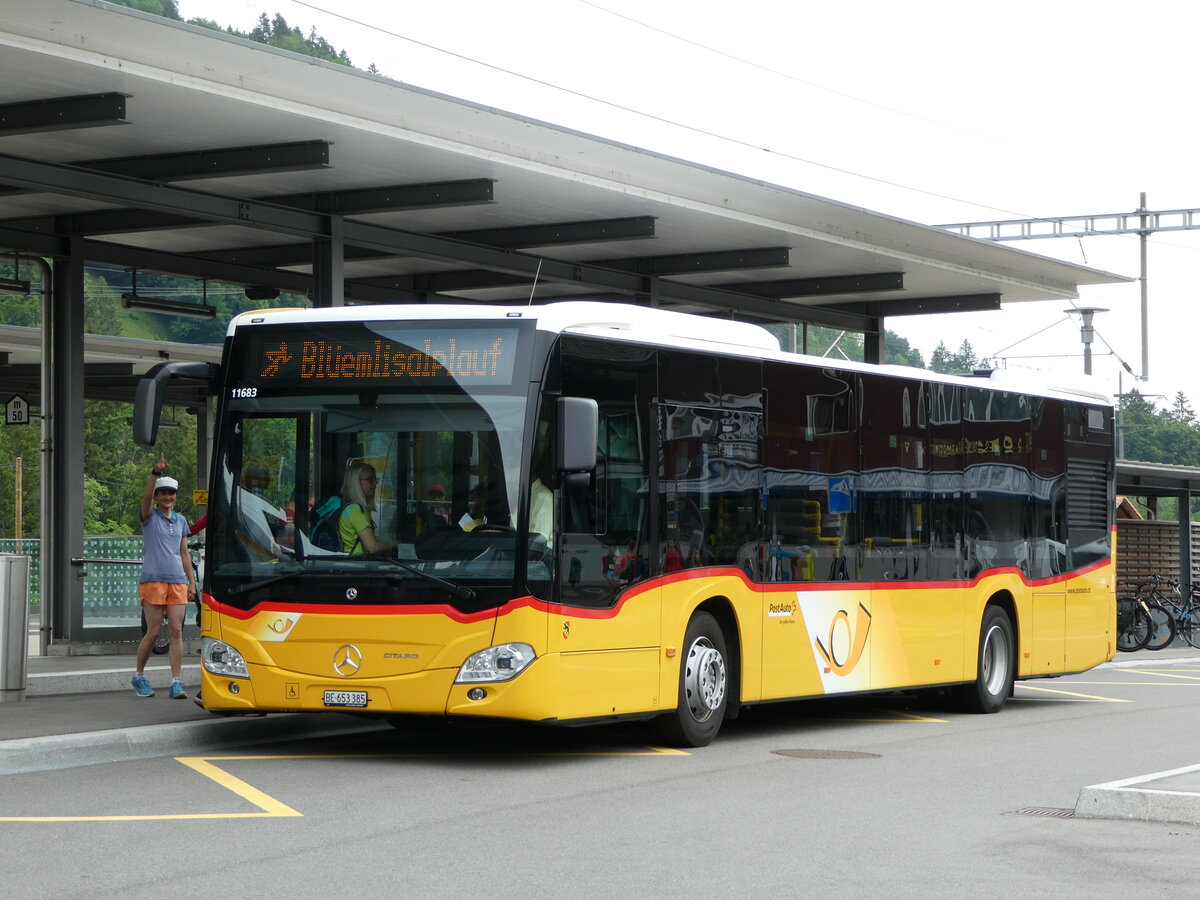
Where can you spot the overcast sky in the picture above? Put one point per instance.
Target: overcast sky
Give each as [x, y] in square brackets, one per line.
[933, 111]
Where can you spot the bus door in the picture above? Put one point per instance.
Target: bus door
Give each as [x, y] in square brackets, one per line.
[605, 621]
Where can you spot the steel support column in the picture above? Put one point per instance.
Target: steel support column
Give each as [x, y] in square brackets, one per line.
[1185, 540]
[873, 344]
[62, 445]
[329, 258]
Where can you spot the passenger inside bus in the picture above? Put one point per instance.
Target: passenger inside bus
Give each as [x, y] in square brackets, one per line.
[356, 525]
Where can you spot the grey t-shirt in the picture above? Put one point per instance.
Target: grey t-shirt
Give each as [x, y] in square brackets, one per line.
[160, 558]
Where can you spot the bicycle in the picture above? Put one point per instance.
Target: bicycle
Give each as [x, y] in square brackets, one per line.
[1162, 618]
[1134, 627]
[1185, 613]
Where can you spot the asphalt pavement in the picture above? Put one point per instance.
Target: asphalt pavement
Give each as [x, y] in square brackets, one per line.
[81, 710]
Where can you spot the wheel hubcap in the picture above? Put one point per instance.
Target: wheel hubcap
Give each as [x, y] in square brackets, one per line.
[704, 679]
[995, 660]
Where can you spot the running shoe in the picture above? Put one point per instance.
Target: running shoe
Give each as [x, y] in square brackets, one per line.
[141, 685]
[177, 691]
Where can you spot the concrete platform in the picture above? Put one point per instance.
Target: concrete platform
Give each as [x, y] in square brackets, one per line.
[54, 675]
[1171, 796]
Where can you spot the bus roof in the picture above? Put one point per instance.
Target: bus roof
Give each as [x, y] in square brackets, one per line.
[659, 327]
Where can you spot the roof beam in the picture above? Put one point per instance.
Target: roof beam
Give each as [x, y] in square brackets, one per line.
[281, 255]
[924, 306]
[160, 168]
[432, 195]
[567, 232]
[592, 231]
[815, 287]
[296, 156]
[715, 261]
[674, 264]
[221, 163]
[73, 181]
[62, 113]
[34, 370]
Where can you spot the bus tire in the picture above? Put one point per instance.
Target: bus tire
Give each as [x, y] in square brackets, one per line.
[704, 684]
[994, 673]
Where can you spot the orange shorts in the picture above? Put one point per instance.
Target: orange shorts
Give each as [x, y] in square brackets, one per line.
[162, 593]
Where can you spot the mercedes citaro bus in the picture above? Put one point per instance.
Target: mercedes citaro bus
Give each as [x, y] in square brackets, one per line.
[591, 511]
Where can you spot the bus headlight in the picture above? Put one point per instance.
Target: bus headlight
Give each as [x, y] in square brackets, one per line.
[221, 659]
[500, 663]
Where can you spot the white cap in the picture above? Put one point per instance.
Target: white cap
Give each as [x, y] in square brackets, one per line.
[164, 482]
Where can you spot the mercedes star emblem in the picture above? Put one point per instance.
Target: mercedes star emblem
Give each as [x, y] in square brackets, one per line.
[351, 593]
[347, 660]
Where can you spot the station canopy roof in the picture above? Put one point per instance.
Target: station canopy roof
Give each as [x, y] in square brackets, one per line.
[161, 147]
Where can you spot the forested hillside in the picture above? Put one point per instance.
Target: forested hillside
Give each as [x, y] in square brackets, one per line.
[274, 31]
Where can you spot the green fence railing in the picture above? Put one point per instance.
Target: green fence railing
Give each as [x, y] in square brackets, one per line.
[110, 589]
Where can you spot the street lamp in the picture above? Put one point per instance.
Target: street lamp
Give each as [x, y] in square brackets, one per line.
[1086, 332]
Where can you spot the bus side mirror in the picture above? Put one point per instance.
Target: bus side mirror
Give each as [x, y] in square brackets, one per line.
[152, 390]
[578, 425]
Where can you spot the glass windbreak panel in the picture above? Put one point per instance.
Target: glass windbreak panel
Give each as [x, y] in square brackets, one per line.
[383, 454]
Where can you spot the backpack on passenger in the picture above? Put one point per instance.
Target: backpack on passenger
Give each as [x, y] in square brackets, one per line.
[326, 520]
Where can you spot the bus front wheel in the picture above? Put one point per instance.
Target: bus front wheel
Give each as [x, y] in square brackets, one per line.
[704, 684]
[994, 674]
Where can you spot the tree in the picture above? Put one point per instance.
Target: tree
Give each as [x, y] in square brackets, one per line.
[168, 9]
[898, 352]
[272, 31]
[1180, 411]
[964, 362]
[941, 360]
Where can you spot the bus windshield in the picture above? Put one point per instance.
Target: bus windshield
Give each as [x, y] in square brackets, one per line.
[383, 457]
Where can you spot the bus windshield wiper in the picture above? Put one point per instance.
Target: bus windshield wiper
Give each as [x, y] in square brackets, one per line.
[457, 590]
[263, 582]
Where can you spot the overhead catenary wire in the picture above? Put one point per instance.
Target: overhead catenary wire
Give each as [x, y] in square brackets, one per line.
[651, 116]
[315, 7]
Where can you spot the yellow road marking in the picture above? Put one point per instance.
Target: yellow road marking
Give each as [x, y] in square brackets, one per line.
[887, 715]
[1138, 683]
[269, 807]
[1163, 674]
[1083, 697]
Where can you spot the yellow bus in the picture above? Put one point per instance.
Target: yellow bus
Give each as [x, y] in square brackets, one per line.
[582, 511]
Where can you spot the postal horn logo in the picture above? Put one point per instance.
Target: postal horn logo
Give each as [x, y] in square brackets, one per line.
[844, 646]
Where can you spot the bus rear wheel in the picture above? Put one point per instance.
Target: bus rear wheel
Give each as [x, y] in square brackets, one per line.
[703, 686]
[994, 674]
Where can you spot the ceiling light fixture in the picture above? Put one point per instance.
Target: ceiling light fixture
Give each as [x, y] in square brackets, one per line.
[14, 286]
[134, 300]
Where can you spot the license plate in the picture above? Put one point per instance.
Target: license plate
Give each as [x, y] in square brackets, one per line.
[345, 698]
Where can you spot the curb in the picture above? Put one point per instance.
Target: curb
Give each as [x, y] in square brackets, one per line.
[107, 680]
[1133, 799]
[68, 751]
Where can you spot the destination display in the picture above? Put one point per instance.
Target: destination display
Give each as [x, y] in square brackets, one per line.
[377, 355]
